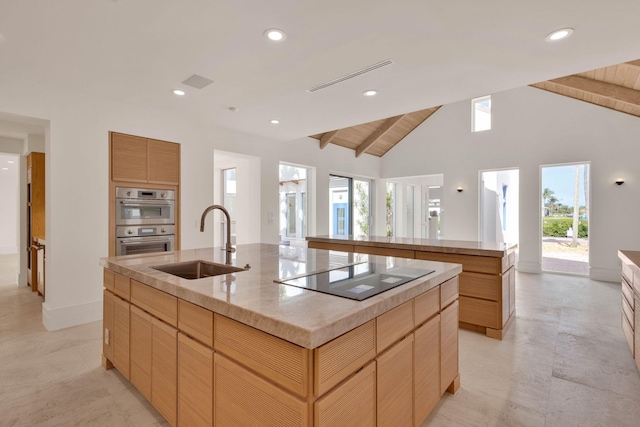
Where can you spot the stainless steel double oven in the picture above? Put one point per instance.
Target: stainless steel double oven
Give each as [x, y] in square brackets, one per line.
[145, 220]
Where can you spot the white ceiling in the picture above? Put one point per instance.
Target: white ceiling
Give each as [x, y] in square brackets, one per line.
[136, 51]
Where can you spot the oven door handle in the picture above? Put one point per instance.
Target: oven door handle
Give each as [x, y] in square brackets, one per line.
[145, 240]
[147, 202]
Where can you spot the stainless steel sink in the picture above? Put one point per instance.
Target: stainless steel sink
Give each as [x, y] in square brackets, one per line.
[197, 269]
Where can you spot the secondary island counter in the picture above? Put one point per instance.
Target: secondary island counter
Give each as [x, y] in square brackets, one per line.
[630, 301]
[487, 282]
[240, 349]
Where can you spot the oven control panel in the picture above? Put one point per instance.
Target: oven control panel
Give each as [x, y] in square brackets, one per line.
[145, 230]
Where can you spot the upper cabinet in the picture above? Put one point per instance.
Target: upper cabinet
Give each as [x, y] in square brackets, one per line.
[144, 160]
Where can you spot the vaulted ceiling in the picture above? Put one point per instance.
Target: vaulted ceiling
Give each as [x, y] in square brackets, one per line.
[616, 87]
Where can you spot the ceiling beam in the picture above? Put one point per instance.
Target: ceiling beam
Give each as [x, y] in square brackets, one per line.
[635, 63]
[596, 87]
[382, 130]
[328, 137]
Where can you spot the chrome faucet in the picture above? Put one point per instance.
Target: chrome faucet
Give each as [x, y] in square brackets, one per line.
[229, 249]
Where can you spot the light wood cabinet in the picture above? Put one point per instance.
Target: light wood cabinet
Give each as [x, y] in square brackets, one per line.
[449, 348]
[108, 308]
[243, 398]
[426, 369]
[352, 403]
[140, 351]
[212, 370]
[195, 383]
[35, 213]
[136, 159]
[394, 384]
[164, 369]
[121, 311]
[486, 286]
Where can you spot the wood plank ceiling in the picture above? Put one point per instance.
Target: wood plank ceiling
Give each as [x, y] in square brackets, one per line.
[616, 87]
[376, 137]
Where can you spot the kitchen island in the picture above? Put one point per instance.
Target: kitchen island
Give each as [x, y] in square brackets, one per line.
[487, 282]
[240, 349]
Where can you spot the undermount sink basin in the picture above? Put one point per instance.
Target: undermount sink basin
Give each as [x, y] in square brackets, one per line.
[197, 269]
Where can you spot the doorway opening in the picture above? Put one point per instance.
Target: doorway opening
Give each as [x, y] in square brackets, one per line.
[349, 206]
[565, 218]
[294, 204]
[499, 201]
[9, 214]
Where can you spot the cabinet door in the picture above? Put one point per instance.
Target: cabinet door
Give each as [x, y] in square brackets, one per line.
[195, 383]
[164, 162]
[395, 384]
[107, 324]
[243, 398]
[448, 346]
[426, 367]
[121, 336]
[636, 331]
[164, 369]
[141, 351]
[512, 291]
[128, 158]
[352, 403]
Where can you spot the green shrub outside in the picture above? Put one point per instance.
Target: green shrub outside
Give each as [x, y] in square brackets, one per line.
[558, 226]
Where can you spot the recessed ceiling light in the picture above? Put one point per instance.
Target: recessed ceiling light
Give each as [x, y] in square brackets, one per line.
[559, 35]
[5, 169]
[370, 92]
[10, 161]
[178, 92]
[275, 121]
[275, 35]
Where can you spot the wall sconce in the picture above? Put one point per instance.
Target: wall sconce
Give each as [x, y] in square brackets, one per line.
[619, 181]
[459, 189]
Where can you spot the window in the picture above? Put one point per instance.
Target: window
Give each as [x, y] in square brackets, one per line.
[391, 208]
[481, 114]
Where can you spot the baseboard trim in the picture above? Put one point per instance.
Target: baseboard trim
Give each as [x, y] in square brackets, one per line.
[65, 317]
[605, 274]
[529, 267]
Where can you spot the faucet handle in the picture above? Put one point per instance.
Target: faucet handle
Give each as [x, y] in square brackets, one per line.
[231, 249]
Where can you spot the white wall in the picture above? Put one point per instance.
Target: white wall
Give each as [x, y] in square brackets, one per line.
[77, 182]
[532, 127]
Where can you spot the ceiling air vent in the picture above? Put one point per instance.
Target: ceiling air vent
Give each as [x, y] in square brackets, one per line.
[352, 75]
[197, 81]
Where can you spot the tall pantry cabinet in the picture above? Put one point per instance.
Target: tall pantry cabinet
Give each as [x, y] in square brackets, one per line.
[35, 221]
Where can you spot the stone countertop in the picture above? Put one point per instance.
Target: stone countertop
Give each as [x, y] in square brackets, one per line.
[304, 317]
[632, 257]
[459, 247]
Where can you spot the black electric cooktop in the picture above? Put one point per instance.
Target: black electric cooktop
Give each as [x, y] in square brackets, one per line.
[359, 281]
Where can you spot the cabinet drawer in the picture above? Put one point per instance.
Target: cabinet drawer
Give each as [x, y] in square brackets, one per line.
[393, 325]
[401, 253]
[426, 305]
[476, 264]
[160, 304]
[627, 273]
[627, 292]
[196, 322]
[352, 403]
[281, 361]
[331, 246]
[244, 399]
[628, 334]
[122, 286]
[479, 285]
[628, 313]
[479, 312]
[448, 292]
[339, 358]
[108, 279]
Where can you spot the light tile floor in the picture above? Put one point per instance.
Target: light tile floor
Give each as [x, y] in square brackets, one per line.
[564, 363]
